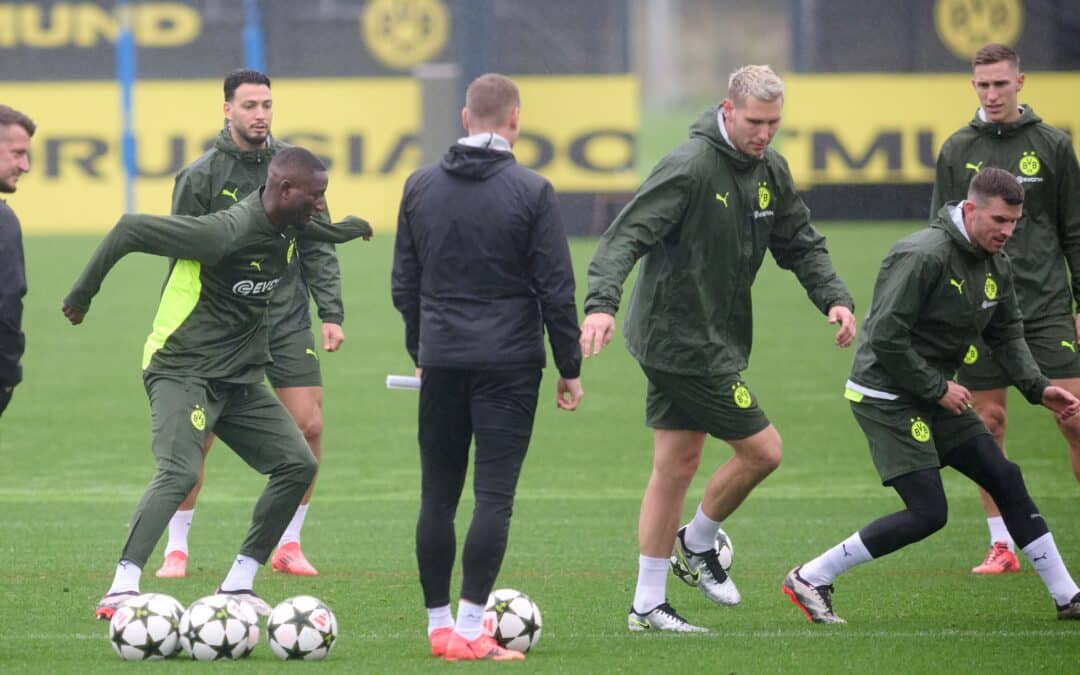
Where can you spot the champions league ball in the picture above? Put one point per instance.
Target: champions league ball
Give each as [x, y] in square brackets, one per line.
[219, 627]
[146, 628]
[302, 628]
[513, 619]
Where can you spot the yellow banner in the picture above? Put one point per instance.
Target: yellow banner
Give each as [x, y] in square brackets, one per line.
[876, 128]
[578, 131]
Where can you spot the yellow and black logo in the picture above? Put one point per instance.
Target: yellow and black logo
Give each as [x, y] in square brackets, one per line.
[964, 26]
[764, 197]
[990, 288]
[198, 418]
[919, 430]
[405, 33]
[972, 355]
[1029, 163]
[741, 395]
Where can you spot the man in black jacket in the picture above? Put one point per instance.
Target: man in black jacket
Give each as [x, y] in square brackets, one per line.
[481, 268]
[15, 132]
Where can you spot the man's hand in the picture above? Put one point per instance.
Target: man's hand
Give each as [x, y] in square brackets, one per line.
[843, 316]
[73, 315]
[332, 337]
[957, 398]
[596, 332]
[570, 393]
[1061, 401]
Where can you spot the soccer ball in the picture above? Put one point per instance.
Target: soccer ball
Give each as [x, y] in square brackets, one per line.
[513, 619]
[302, 628]
[219, 627]
[145, 628]
[725, 550]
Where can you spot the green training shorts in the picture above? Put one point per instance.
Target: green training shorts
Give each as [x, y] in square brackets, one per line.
[719, 405]
[296, 361]
[1052, 342]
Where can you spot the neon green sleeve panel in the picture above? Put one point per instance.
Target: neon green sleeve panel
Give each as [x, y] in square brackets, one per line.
[178, 301]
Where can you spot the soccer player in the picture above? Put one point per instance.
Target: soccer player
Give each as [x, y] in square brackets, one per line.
[937, 290]
[1045, 253]
[481, 269]
[701, 223]
[227, 173]
[205, 359]
[16, 129]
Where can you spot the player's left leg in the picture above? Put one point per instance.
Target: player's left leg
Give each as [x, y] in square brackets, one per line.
[260, 431]
[980, 460]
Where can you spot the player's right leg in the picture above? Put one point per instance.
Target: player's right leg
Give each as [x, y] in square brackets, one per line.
[445, 432]
[181, 415]
[175, 561]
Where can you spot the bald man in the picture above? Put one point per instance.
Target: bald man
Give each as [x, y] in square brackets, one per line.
[205, 359]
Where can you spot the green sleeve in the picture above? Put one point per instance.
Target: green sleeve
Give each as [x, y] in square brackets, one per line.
[1068, 212]
[189, 195]
[205, 240]
[322, 275]
[906, 278]
[1004, 335]
[944, 188]
[344, 230]
[796, 245]
[654, 212]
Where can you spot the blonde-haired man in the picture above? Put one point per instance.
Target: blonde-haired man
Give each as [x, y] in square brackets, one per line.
[701, 224]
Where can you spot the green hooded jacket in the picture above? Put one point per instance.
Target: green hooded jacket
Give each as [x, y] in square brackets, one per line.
[212, 319]
[1047, 238]
[224, 175]
[935, 292]
[701, 222]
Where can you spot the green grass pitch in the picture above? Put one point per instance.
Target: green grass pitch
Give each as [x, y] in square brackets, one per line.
[75, 453]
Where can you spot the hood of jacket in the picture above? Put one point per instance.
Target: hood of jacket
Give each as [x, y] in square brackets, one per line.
[943, 221]
[226, 144]
[707, 128]
[1005, 129]
[475, 163]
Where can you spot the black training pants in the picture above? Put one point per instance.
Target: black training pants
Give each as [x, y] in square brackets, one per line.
[495, 409]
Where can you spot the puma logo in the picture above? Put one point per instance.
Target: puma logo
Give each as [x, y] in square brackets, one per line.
[723, 198]
[846, 554]
[1041, 557]
[958, 284]
[256, 264]
[232, 194]
[309, 350]
[1071, 346]
[973, 167]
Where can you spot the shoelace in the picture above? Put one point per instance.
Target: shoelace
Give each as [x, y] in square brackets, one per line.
[712, 564]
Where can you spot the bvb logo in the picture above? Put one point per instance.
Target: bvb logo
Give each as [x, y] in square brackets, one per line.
[964, 26]
[198, 418]
[972, 355]
[990, 288]
[1029, 163]
[763, 196]
[919, 430]
[405, 33]
[741, 395]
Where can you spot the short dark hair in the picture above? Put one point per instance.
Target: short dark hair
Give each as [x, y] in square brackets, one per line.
[491, 97]
[993, 182]
[995, 53]
[9, 116]
[243, 76]
[296, 158]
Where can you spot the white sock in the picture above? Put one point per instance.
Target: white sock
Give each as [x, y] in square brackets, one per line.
[832, 563]
[292, 532]
[242, 575]
[701, 532]
[126, 577]
[179, 525]
[998, 532]
[1044, 557]
[470, 616]
[651, 583]
[439, 617]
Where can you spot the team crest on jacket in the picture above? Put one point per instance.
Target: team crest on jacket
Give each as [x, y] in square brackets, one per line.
[741, 395]
[972, 355]
[919, 430]
[1029, 163]
[990, 288]
[764, 197]
[198, 418]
